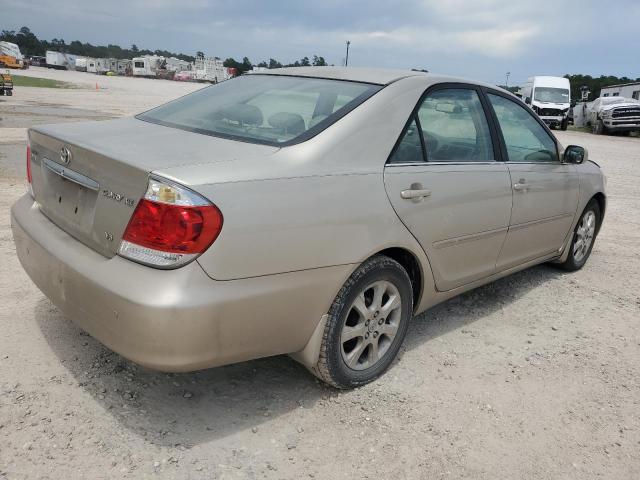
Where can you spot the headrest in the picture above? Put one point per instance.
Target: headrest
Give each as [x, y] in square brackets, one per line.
[240, 112]
[291, 123]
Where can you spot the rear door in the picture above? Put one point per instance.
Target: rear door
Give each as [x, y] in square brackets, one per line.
[446, 184]
[545, 190]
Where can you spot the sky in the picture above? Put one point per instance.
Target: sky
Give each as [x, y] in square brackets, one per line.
[478, 39]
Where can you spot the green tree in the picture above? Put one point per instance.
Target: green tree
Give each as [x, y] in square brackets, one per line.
[304, 62]
[273, 63]
[319, 61]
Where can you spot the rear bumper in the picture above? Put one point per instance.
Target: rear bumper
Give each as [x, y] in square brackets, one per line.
[171, 320]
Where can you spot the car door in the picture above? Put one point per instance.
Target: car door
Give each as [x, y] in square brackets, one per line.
[545, 190]
[446, 184]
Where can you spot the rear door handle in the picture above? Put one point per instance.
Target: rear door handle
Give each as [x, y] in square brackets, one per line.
[415, 194]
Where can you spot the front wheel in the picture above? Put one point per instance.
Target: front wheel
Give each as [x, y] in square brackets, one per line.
[564, 124]
[598, 127]
[583, 238]
[366, 324]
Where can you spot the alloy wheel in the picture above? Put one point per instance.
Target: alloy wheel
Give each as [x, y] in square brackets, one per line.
[584, 235]
[371, 325]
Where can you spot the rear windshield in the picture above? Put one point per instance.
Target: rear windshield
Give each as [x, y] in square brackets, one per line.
[270, 109]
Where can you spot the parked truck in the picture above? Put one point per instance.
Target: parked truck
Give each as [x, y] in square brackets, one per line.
[11, 57]
[550, 98]
[61, 61]
[607, 115]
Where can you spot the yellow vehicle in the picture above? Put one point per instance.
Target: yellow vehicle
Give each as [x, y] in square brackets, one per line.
[6, 84]
[11, 62]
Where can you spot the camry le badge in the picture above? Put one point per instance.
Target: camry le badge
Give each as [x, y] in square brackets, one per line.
[65, 155]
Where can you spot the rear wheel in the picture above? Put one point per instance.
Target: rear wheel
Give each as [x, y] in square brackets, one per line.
[366, 324]
[583, 238]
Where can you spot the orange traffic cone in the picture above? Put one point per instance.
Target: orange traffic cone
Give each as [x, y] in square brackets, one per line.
[97, 86]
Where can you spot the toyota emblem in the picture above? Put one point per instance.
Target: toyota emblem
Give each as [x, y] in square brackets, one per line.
[65, 155]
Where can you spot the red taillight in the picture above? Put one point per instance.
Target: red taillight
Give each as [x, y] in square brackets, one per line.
[173, 228]
[29, 163]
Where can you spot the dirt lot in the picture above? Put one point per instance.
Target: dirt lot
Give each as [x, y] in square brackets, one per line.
[532, 377]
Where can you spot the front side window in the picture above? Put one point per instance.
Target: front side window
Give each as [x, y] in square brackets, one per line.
[455, 127]
[266, 109]
[525, 139]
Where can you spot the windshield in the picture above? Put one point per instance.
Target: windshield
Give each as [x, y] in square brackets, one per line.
[270, 109]
[551, 95]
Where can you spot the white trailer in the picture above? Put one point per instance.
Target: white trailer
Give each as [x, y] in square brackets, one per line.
[97, 65]
[148, 66]
[627, 90]
[81, 64]
[123, 66]
[550, 98]
[211, 70]
[111, 64]
[174, 64]
[61, 61]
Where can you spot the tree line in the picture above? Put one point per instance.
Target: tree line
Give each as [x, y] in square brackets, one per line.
[594, 84]
[31, 45]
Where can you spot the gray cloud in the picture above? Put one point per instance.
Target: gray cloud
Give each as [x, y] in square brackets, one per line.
[474, 38]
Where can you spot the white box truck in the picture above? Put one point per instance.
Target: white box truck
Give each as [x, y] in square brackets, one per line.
[61, 61]
[550, 98]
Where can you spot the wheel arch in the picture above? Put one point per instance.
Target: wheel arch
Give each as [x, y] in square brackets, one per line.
[412, 266]
[601, 199]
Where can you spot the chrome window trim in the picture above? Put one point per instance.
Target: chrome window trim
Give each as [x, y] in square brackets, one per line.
[424, 164]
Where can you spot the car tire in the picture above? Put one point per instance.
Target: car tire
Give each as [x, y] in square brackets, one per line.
[366, 324]
[564, 125]
[598, 127]
[584, 236]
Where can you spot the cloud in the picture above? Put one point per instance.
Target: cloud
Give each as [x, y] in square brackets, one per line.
[474, 38]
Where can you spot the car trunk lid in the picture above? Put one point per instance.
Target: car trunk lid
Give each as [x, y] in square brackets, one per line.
[87, 178]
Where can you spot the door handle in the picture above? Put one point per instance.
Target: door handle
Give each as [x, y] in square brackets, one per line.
[415, 193]
[521, 185]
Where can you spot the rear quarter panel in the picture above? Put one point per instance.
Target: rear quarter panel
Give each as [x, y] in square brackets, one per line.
[316, 204]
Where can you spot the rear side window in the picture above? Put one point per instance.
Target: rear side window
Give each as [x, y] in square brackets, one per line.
[524, 137]
[409, 149]
[270, 109]
[450, 126]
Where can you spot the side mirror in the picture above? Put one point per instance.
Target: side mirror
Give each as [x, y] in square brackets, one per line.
[575, 154]
[527, 100]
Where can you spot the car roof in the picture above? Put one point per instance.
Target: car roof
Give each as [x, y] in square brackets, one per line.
[380, 76]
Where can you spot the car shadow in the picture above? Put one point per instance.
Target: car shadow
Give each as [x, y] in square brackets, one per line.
[187, 409]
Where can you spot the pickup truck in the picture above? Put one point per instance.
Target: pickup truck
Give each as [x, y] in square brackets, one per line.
[614, 114]
[6, 84]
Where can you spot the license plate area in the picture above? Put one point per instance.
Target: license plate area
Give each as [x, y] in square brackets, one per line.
[68, 198]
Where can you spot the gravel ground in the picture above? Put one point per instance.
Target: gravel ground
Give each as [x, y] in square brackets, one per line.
[532, 377]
